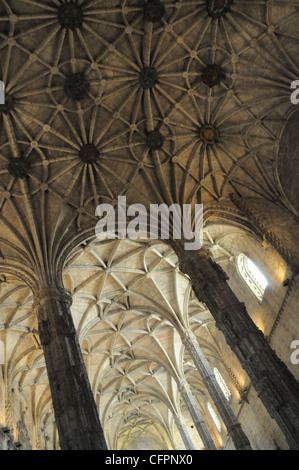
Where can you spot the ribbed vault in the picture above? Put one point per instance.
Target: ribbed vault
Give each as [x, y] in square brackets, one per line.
[164, 102]
[129, 302]
[186, 109]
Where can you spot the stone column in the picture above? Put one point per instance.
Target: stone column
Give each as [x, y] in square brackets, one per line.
[196, 415]
[181, 425]
[273, 382]
[233, 427]
[7, 441]
[75, 410]
[262, 227]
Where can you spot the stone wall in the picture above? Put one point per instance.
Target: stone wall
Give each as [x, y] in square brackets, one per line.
[277, 317]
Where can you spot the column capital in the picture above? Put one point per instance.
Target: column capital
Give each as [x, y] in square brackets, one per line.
[184, 387]
[187, 258]
[178, 418]
[188, 338]
[202, 270]
[48, 293]
[190, 342]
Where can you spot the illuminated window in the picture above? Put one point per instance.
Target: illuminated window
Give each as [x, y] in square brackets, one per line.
[1, 353]
[215, 417]
[222, 384]
[253, 277]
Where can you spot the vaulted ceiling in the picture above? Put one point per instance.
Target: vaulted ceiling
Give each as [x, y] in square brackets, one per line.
[180, 103]
[89, 82]
[129, 302]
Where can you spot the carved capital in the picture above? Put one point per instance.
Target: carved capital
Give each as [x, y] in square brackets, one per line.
[184, 387]
[189, 259]
[189, 339]
[203, 272]
[48, 294]
[49, 303]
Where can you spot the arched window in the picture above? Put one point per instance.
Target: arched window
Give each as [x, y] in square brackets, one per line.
[253, 277]
[214, 416]
[2, 93]
[1, 353]
[222, 384]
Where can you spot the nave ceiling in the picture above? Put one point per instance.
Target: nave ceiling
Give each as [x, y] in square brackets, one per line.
[101, 103]
[129, 302]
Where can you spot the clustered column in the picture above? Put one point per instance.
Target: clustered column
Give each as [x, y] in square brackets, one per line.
[275, 385]
[75, 410]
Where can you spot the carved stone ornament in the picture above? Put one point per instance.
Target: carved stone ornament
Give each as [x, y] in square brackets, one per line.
[213, 75]
[89, 154]
[208, 134]
[154, 140]
[70, 15]
[9, 104]
[19, 167]
[148, 77]
[77, 86]
[218, 8]
[154, 11]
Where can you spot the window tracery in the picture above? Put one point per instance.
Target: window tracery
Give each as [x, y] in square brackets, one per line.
[222, 384]
[1, 353]
[214, 417]
[252, 275]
